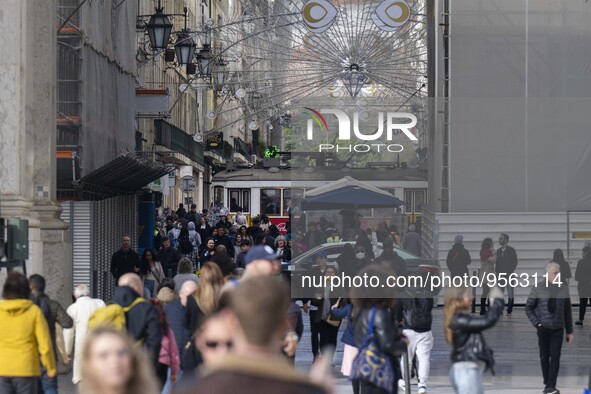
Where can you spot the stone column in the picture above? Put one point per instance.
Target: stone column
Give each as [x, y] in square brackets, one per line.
[28, 135]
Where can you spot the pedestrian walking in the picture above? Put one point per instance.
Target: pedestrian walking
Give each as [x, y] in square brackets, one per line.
[195, 239]
[193, 216]
[168, 358]
[54, 314]
[80, 311]
[470, 355]
[488, 258]
[125, 260]
[207, 252]
[281, 248]
[415, 311]
[184, 273]
[169, 257]
[377, 338]
[411, 242]
[343, 310]
[458, 258]
[327, 325]
[25, 343]
[111, 363]
[548, 308]
[220, 238]
[204, 229]
[583, 278]
[312, 309]
[152, 272]
[142, 321]
[565, 271]
[391, 258]
[505, 266]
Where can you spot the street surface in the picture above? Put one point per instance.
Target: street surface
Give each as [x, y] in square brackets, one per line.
[514, 342]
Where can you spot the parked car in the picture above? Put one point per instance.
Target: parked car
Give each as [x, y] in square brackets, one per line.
[304, 262]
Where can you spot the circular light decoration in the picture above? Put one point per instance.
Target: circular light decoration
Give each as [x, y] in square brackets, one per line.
[364, 115]
[318, 15]
[211, 115]
[391, 14]
[253, 125]
[240, 93]
[209, 22]
[272, 152]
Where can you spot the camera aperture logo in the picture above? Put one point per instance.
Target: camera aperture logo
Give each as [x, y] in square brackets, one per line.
[392, 126]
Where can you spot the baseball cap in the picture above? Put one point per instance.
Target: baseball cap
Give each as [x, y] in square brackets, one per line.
[261, 252]
[322, 254]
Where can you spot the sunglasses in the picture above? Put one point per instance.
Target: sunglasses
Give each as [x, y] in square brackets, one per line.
[216, 344]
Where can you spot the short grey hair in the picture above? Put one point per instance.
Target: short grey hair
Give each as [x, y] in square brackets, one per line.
[81, 291]
[185, 266]
[552, 265]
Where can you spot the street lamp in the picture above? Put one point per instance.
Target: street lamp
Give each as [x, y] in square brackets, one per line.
[355, 80]
[220, 73]
[159, 28]
[185, 46]
[205, 61]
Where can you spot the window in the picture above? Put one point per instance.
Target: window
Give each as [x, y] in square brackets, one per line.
[420, 200]
[218, 196]
[408, 200]
[271, 201]
[290, 197]
[239, 199]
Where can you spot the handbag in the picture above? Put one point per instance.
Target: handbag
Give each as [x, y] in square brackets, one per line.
[372, 365]
[333, 321]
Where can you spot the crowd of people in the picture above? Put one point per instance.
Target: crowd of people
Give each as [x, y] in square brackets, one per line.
[218, 318]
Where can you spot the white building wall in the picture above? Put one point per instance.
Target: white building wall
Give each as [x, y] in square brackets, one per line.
[533, 235]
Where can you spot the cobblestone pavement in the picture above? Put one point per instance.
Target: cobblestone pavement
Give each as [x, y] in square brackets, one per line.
[516, 352]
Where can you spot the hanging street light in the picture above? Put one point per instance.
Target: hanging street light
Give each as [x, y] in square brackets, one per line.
[220, 73]
[185, 46]
[205, 61]
[159, 28]
[355, 80]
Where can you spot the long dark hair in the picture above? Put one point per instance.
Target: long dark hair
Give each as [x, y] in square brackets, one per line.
[558, 256]
[144, 265]
[485, 251]
[369, 297]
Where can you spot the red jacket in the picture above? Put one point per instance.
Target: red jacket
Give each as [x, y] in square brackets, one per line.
[169, 352]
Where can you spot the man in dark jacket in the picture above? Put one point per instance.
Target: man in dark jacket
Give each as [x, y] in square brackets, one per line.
[169, 257]
[54, 313]
[125, 259]
[142, 321]
[220, 238]
[181, 212]
[194, 216]
[548, 308]
[583, 278]
[458, 258]
[505, 266]
[390, 258]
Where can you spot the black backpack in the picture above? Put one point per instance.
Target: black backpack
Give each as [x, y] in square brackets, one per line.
[184, 242]
[417, 312]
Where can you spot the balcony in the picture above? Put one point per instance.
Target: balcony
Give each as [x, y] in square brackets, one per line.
[176, 139]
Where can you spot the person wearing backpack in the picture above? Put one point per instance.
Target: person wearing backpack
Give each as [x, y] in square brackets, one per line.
[54, 313]
[458, 258]
[142, 321]
[184, 243]
[414, 312]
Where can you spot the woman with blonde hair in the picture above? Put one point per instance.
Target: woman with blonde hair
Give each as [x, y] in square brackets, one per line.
[204, 300]
[111, 364]
[470, 355]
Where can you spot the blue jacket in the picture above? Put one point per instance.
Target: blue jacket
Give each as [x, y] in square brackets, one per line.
[348, 337]
[175, 313]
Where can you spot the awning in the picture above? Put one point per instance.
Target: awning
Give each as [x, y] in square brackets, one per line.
[126, 174]
[348, 193]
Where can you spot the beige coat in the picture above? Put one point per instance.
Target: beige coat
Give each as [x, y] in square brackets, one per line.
[80, 312]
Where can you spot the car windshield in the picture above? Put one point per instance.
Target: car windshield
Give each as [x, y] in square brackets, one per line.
[312, 252]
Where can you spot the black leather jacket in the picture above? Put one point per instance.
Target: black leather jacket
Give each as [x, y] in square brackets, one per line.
[385, 330]
[468, 342]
